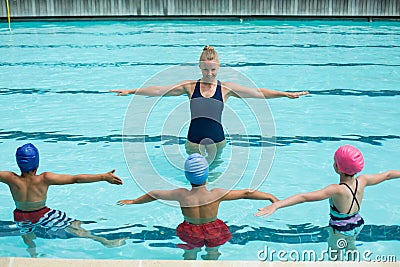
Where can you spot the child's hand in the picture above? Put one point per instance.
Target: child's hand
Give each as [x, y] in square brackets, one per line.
[293, 95]
[121, 92]
[124, 202]
[266, 211]
[112, 178]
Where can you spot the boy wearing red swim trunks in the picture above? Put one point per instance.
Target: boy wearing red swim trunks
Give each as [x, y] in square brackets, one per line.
[199, 206]
[29, 191]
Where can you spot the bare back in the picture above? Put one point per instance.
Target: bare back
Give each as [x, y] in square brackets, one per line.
[200, 202]
[343, 200]
[28, 188]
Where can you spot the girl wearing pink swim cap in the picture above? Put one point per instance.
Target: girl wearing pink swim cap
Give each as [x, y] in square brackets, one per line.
[345, 200]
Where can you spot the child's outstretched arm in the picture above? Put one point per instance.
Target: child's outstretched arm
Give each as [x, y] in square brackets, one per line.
[6, 177]
[299, 198]
[61, 179]
[373, 179]
[154, 195]
[248, 194]
[146, 198]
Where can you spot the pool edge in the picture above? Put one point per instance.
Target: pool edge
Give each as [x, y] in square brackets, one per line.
[22, 262]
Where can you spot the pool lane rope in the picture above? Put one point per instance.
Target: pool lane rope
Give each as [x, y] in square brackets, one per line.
[8, 15]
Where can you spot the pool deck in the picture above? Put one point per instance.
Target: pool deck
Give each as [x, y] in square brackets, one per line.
[23, 262]
[135, 9]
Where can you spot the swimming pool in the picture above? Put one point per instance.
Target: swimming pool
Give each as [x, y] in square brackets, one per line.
[54, 84]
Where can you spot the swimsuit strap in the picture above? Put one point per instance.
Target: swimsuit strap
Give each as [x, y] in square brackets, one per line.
[354, 196]
[196, 92]
[333, 207]
[218, 92]
[217, 95]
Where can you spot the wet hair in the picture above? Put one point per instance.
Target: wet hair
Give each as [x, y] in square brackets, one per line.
[209, 53]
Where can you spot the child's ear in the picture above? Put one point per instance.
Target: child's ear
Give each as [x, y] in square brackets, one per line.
[335, 167]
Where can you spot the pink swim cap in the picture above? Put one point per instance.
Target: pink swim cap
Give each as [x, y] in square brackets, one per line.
[349, 160]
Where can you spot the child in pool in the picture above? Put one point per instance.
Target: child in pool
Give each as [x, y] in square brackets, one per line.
[200, 208]
[345, 199]
[29, 191]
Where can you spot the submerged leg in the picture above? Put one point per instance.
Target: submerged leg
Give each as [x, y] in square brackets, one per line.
[28, 240]
[194, 148]
[212, 253]
[191, 254]
[76, 229]
[212, 153]
[341, 247]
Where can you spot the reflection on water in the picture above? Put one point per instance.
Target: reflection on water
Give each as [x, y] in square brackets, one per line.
[166, 140]
[241, 234]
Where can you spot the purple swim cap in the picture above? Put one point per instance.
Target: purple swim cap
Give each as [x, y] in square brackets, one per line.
[196, 169]
[27, 157]
[349, 160]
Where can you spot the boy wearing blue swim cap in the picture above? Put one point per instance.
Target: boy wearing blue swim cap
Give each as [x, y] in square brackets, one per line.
[29, 191]
[199, 207]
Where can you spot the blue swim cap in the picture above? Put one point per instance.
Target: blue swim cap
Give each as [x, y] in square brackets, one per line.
[27, 157]
[196, 169]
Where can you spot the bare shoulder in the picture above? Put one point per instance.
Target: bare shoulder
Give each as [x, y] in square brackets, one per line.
[228, 89]
[228, 86]
[182, 190]
[331, 189]
[7, 174]
[335, 187]
[187, 83]
[363, 180]
[179, 191]
[219, 192]
[8, 177]
[46, 176]
[234, 89]
[338, 189]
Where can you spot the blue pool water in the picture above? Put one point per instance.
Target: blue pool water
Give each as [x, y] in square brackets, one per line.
[54, 82]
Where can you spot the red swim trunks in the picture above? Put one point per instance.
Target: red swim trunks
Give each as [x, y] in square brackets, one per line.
[32, 216]
[27, 221]
[212, 234]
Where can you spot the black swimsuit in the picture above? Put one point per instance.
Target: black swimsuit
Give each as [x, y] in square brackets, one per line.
[205, 125]
[346, 223]
[354, 198]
